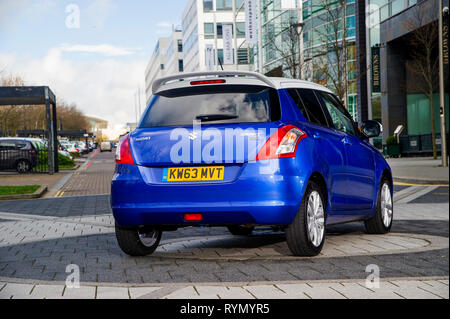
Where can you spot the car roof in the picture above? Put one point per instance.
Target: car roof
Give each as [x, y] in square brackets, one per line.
[286, 83]
[182, 80]
[14, 139]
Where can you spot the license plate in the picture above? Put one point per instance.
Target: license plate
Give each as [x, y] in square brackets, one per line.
[193, 174]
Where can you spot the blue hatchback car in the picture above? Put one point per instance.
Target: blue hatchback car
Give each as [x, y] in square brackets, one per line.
[239, 149]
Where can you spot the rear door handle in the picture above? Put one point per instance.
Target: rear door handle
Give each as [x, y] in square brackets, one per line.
[317, 136]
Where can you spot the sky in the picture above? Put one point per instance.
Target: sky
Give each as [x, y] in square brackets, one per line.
[89, 52]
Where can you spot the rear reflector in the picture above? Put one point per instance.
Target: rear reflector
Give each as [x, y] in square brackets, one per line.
[193, 217]
[207, 82]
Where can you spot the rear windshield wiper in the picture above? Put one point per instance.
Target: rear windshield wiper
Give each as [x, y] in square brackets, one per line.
[215, 117]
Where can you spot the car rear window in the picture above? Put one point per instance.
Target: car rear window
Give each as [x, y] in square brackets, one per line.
[213, 105]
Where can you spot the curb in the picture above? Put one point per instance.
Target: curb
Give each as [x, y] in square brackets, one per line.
[37, 194]
[420, 181]
[77, 166]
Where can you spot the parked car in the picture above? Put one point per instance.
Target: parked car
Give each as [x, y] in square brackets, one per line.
[71, 147]
[306, 164]
[19, 154]
[106, 147]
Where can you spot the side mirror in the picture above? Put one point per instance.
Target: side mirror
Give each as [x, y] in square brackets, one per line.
[372, 128]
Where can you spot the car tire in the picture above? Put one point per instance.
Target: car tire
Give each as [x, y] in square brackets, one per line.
[240, 230]
[137, 242]
[306, 235]
[381, 222]
[23, 166]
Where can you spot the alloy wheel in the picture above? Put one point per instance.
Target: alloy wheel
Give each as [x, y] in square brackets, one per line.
[386, 205]
[315, 219]
[148, 239]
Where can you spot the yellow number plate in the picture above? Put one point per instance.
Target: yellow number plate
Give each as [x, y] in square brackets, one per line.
[193, 174]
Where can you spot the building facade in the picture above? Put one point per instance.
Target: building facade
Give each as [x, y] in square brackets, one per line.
[281, 40]
[397, 92]
[202, 23]
[167, 59]
[325, 33]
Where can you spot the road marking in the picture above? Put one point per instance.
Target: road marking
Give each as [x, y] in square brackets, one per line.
[409, 184]
[414, 193]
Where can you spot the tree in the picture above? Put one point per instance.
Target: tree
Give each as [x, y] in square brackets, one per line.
[424, 63]
[33, 117]
[287, 47]
[330, 58]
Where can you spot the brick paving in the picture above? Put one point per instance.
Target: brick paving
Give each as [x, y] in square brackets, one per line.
[40, 238]
[91, 179]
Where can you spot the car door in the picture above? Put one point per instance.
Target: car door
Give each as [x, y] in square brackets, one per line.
[329, 150]
[7, 154]
[359, 157]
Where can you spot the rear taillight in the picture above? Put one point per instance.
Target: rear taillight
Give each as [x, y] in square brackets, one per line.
[283, 143]
[123, 152]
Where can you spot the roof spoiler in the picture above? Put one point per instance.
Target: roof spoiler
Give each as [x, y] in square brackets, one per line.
[157, 84]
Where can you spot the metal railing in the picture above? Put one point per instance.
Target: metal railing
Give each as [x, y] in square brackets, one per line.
[24, 161]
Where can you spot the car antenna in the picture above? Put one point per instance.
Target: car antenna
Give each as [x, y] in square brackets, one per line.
[220, 63]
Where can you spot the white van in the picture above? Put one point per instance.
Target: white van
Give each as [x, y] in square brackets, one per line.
[106, 146]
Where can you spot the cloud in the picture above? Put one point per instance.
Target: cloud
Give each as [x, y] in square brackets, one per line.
[164, 24]
[99, 11]
[13, 12]
[106, 49]
[103, 89]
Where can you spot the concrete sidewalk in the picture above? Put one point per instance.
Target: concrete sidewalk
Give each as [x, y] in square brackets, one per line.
[419, 170]
[395, 288]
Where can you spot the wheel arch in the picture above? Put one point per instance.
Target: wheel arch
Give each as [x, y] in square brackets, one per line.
[318, 178]
[388, 175]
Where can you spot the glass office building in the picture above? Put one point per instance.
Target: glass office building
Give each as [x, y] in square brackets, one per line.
[323, 35]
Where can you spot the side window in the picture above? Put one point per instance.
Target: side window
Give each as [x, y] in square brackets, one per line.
[7, 145]
[298, 101]
[312, 107]
[340, 120]
[21, 145]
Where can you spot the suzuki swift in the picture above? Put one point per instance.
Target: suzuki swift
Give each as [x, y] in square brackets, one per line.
[240, 150]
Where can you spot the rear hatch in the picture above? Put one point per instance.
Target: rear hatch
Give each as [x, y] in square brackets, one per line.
[206, 125]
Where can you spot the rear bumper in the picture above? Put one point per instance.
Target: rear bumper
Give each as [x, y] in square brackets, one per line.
[251, 198]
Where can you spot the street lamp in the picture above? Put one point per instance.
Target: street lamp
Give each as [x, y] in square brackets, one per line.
[442, 11]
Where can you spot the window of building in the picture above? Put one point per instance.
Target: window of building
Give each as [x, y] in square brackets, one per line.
[220, 55]
[219, 30]
[239, 3]
[180, 45]
[224, 4]
[180, 66]
[242, 56]
[161, 66]
[240, 29]
[207, 5]
[209, 28]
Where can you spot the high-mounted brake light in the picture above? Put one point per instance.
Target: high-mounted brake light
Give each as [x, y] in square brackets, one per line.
[283, 143]
[207, 82]
[123, 151]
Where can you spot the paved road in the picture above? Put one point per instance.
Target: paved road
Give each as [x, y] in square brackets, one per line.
[40, 238]
[93, 178]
